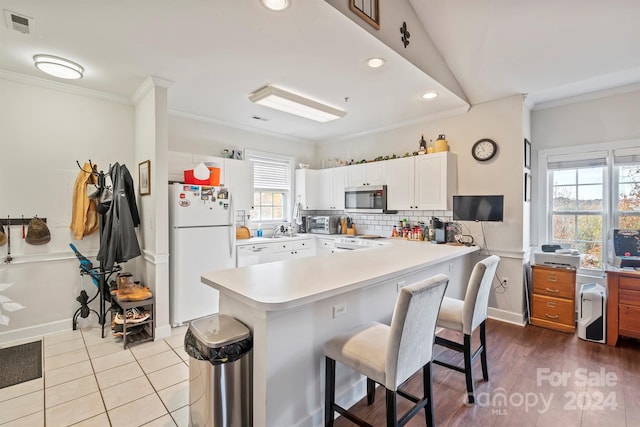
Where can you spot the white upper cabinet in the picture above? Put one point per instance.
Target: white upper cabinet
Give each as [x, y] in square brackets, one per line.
[400, 184]
[373, 173]
[331, 185]
[307, 191]
[238, 178]
[425, 182]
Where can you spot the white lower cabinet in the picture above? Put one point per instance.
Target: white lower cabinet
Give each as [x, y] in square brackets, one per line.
[278, 250]
[324, 246]
[252, 254]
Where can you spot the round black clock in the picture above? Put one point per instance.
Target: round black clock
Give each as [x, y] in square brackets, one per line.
[484, 149]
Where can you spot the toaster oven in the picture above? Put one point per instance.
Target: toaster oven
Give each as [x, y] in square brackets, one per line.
[323, 224]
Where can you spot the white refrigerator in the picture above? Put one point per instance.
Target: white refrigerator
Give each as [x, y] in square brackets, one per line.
[201, 239]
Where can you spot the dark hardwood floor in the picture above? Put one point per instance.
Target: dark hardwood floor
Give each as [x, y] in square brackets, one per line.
[537, 377]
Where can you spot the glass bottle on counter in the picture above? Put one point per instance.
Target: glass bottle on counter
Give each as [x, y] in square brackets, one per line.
[259, 231]
[394, 232]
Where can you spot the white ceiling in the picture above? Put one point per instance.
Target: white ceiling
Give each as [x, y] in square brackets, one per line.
[216, 52]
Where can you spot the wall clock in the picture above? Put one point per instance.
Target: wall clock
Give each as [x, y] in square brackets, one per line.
[484, 149]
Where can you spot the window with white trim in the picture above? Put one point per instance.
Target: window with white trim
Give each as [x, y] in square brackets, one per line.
[627, 189]
[577, 205]
[272, 182]
[589, 194]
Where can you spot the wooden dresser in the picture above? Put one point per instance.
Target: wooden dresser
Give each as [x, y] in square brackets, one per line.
[623, 305]
[553, 298]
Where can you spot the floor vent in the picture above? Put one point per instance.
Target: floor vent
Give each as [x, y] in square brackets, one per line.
[20, 23]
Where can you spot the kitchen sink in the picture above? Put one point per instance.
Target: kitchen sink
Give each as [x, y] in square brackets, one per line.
[279, 236]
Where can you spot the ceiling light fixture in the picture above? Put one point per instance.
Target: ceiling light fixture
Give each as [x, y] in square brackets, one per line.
[279, 99]
[429, 95]
[375, 62]
[58, 67]
[276, 5]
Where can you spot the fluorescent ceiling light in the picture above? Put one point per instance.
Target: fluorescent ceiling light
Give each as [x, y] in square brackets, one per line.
[375, 62]
[58, 67]
[279, 99]
[429, 95]
[276, 5]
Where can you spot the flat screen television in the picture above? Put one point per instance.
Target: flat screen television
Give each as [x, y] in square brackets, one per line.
[478, 208]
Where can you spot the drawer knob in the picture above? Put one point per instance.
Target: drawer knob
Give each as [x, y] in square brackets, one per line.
[555, 291]
[552, 278]
[551, 316]
[552, 304]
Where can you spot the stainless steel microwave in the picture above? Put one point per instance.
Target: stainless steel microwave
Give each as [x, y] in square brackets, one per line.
[367, 199]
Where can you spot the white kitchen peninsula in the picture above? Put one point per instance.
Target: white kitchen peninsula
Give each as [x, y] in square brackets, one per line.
[294, 306]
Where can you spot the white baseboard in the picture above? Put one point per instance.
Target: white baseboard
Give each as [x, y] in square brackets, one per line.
[506, 316]
[35, 332]
[163, 332]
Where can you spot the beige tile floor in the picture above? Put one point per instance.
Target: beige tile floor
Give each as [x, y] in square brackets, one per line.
[91, 381]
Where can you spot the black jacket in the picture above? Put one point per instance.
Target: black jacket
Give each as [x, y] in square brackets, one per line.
[118, 240]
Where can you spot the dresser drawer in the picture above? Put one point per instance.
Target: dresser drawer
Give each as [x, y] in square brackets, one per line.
[628, 297]
[551, 309]
[629, 283]
[629, 321]
[554, 282]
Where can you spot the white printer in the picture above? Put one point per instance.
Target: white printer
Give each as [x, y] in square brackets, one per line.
[561, 258]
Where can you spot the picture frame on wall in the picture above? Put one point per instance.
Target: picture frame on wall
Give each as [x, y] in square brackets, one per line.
[527, 187]
[527, 153]
[368, 10]
[144, 178]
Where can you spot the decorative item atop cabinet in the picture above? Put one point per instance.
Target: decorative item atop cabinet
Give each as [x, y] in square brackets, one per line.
[553, 298]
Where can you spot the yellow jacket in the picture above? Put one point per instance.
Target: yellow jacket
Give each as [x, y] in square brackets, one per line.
[84, 218]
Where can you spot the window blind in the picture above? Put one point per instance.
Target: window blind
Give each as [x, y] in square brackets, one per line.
[576, 161]
[270, 174]
[626, 156]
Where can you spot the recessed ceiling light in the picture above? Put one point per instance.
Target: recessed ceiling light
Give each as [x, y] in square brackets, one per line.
[58, 67]
[429, 95]
[375, 62]
[276, 5]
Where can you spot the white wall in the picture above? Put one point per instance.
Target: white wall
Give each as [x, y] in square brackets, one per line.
[500, 120]
[603, 118]
[151, 135]
[192, 135]
[45, 129]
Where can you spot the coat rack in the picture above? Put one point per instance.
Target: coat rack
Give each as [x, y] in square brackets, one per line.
[99, 275]
[8, 222]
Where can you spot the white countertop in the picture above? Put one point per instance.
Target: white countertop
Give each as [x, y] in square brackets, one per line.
[285, 238]
[283, 285]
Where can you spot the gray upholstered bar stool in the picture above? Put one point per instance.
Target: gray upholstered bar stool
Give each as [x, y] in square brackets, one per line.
[465, 316]
[389, 355]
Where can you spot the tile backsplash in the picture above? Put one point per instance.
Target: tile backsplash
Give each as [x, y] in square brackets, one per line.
[382, 224]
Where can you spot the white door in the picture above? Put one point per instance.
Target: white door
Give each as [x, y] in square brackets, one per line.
[431, 182]
[195, 251]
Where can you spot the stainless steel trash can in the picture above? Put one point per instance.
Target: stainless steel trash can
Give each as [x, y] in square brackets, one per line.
[220, 392]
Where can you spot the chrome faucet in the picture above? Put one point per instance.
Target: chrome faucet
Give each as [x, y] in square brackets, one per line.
[278, 229]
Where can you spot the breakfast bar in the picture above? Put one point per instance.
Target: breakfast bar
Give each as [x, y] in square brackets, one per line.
[292, 307]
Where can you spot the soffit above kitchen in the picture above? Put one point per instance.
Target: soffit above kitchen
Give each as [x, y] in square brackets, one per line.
[550, 50]
[217, 52]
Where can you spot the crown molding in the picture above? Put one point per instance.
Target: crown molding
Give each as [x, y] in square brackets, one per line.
[62, 87]
[429, 118]
[588, 97]
[245, 128]
[149, 83]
